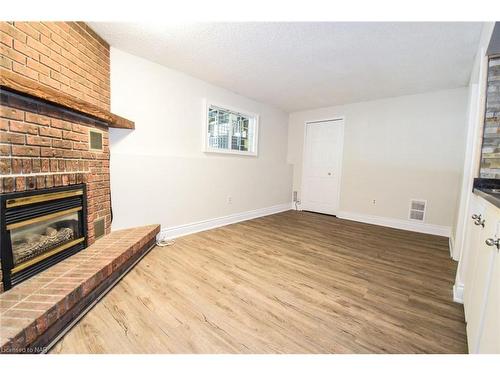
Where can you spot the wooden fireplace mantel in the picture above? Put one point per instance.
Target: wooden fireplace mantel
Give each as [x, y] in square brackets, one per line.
[27, 86]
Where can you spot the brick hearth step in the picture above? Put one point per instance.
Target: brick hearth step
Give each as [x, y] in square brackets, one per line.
[35, 312]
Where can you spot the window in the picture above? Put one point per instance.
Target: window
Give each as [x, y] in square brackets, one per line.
[230, 131]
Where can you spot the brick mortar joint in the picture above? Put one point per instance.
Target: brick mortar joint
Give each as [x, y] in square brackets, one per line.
[90, 60]
[43, 174]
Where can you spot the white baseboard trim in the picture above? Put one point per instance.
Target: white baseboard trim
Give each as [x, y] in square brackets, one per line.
[200, 226]
[451, 244]
[439, 230]
[458, 293]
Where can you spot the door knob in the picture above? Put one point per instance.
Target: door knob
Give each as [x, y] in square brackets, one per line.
[493, 242]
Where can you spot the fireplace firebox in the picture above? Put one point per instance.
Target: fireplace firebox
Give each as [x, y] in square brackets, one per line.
[40, 228]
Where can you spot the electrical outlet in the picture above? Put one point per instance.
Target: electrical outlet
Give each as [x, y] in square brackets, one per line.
[229, 200]
[374, 202]
[295, 196]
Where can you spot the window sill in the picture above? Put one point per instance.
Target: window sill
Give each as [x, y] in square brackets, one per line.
[230, 152]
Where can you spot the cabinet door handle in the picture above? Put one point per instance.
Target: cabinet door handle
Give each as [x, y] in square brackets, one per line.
[493, 242]
[479, 221]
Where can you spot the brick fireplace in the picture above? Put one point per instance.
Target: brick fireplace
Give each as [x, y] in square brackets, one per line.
[54, 177]
[43, 145]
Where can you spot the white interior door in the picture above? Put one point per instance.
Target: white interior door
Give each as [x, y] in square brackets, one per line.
[322, 166]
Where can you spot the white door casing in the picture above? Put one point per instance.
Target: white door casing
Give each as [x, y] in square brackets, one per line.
[322, 166]
[471, 161]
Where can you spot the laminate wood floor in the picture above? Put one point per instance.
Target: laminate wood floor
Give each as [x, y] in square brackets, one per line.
[294, 282]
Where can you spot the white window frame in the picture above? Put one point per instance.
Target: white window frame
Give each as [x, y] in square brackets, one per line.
[252, 117]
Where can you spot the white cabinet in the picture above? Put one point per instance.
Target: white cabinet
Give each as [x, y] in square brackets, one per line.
[482, 280]
[473, 244]
[490, 337]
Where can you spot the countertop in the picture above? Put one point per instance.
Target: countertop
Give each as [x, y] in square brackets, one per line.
[490, 195]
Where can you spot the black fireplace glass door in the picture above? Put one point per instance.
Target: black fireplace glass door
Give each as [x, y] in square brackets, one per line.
[39, 229]
[34, 239]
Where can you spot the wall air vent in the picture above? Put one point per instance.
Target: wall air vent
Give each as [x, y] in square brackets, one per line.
[417, 209]
[99, 228]
[95, 138]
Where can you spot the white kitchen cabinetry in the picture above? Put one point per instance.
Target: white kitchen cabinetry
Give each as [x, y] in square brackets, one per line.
[482, 278]
[490, 338]
[473, 243]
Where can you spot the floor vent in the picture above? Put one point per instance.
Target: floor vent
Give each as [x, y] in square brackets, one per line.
[417, 209]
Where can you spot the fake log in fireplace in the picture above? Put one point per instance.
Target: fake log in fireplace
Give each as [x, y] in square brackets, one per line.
[40, 228]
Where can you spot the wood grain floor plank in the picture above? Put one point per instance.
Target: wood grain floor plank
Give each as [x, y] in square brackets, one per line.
[293, 282]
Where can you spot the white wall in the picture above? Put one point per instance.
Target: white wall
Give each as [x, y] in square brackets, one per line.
[476, 90]
[159, 173]
[476, 93]
[396, 149]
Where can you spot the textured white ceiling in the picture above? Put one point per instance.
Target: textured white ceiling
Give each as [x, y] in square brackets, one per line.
[297, 66]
